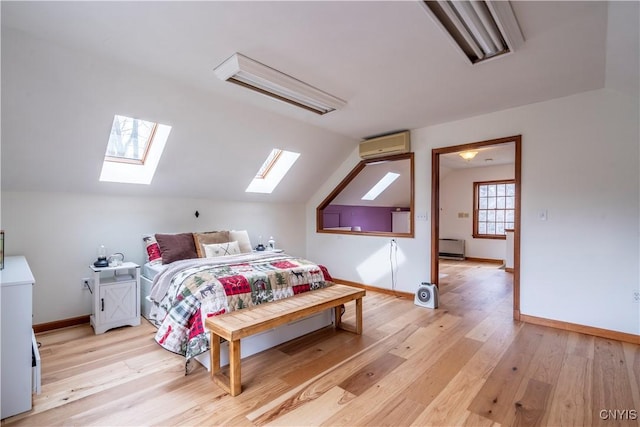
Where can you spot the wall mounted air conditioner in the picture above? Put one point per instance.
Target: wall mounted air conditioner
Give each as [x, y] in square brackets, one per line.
[397, 143]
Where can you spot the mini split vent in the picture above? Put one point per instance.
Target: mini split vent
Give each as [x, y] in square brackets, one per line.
[397, 143]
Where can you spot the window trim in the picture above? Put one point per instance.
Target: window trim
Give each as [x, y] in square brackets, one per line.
[476, 203]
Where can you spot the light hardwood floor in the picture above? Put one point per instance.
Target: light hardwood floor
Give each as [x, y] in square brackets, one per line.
[466, 363]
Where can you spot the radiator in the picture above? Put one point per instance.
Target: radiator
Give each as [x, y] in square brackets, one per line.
[451, 249]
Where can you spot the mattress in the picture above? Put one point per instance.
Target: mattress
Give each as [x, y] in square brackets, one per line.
[151, 270]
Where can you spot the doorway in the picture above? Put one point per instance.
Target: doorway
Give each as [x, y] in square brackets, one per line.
[436, 154]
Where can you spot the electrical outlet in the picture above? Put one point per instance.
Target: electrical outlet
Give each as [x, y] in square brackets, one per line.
[85, 283]
[636, 296]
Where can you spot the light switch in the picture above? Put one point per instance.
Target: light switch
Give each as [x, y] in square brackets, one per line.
[542, 215]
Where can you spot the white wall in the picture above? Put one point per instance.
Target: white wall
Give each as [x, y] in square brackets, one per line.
[456, 195]
[59, 234]
[580, 162]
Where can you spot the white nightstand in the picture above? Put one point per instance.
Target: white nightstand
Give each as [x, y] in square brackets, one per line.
[116, 296]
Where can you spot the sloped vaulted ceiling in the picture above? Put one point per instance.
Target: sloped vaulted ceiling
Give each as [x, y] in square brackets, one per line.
[68, 67]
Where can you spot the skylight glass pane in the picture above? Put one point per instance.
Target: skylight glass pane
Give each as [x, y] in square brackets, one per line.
[382, 185]
[130, 138]
[268, 177]
[133, 150]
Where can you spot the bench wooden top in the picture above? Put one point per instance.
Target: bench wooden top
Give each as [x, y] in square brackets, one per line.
[243, 323]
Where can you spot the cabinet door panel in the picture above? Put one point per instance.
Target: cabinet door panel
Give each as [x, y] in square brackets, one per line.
[117, 302]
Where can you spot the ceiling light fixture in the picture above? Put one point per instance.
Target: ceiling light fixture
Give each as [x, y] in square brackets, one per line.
[468, 155]
[251, 74]
[479, 29]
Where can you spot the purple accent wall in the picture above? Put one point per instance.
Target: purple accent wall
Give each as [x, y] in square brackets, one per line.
[369, 218]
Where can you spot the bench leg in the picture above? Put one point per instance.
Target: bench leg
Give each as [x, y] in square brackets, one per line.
[235, 385]
[231, 384]
[214, 354]
[358, 316]
[358, 327]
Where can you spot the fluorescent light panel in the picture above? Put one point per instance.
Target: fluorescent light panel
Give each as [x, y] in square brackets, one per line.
[382, 185]
[251, 74]
[479, 29]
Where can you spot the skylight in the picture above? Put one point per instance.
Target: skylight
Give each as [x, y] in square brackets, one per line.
[274, 168]
[382, 185]
[133, 150]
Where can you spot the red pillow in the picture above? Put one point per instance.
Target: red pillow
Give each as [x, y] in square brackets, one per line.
[175, 247]
[152, 250]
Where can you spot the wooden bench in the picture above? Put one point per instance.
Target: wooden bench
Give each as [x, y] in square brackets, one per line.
[243, 323]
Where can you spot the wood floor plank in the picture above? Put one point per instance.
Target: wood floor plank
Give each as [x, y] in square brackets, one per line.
[316, 411]
[532, 406]
[632, 361]
[611, 388]
[495, 399]
[366, 377]
[401, 411]
[571, 398]
[430, 382]
[475, 420]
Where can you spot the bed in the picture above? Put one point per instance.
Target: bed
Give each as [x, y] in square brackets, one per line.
[179, 295]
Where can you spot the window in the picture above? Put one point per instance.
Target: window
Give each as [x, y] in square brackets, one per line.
[274, 168]
[381, 185]
[494, 208]
[133, 150]
[130, 140]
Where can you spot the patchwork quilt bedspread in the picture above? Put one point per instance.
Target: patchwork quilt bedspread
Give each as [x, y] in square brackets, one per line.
[185, 294]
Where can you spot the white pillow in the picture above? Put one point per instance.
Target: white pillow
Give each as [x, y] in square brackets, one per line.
[214, 250]
[242, 237]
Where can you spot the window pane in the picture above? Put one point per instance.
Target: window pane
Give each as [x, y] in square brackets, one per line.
[510, 203]
[491, 203]
[129, 138]
[492, 190]
[491, 216]
[501, 189]
[491, 228]
[499, 228]
[482, 228]
[511, 189]
[500, 216]
[510, 225]
[510, 216]
[482, 215]
[500, 203]
[483, 203]
[482, 189]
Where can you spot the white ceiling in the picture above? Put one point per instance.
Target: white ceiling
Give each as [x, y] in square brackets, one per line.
[68, 67]
[494, 155]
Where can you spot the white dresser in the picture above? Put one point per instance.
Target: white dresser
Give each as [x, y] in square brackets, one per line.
[17, 343]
